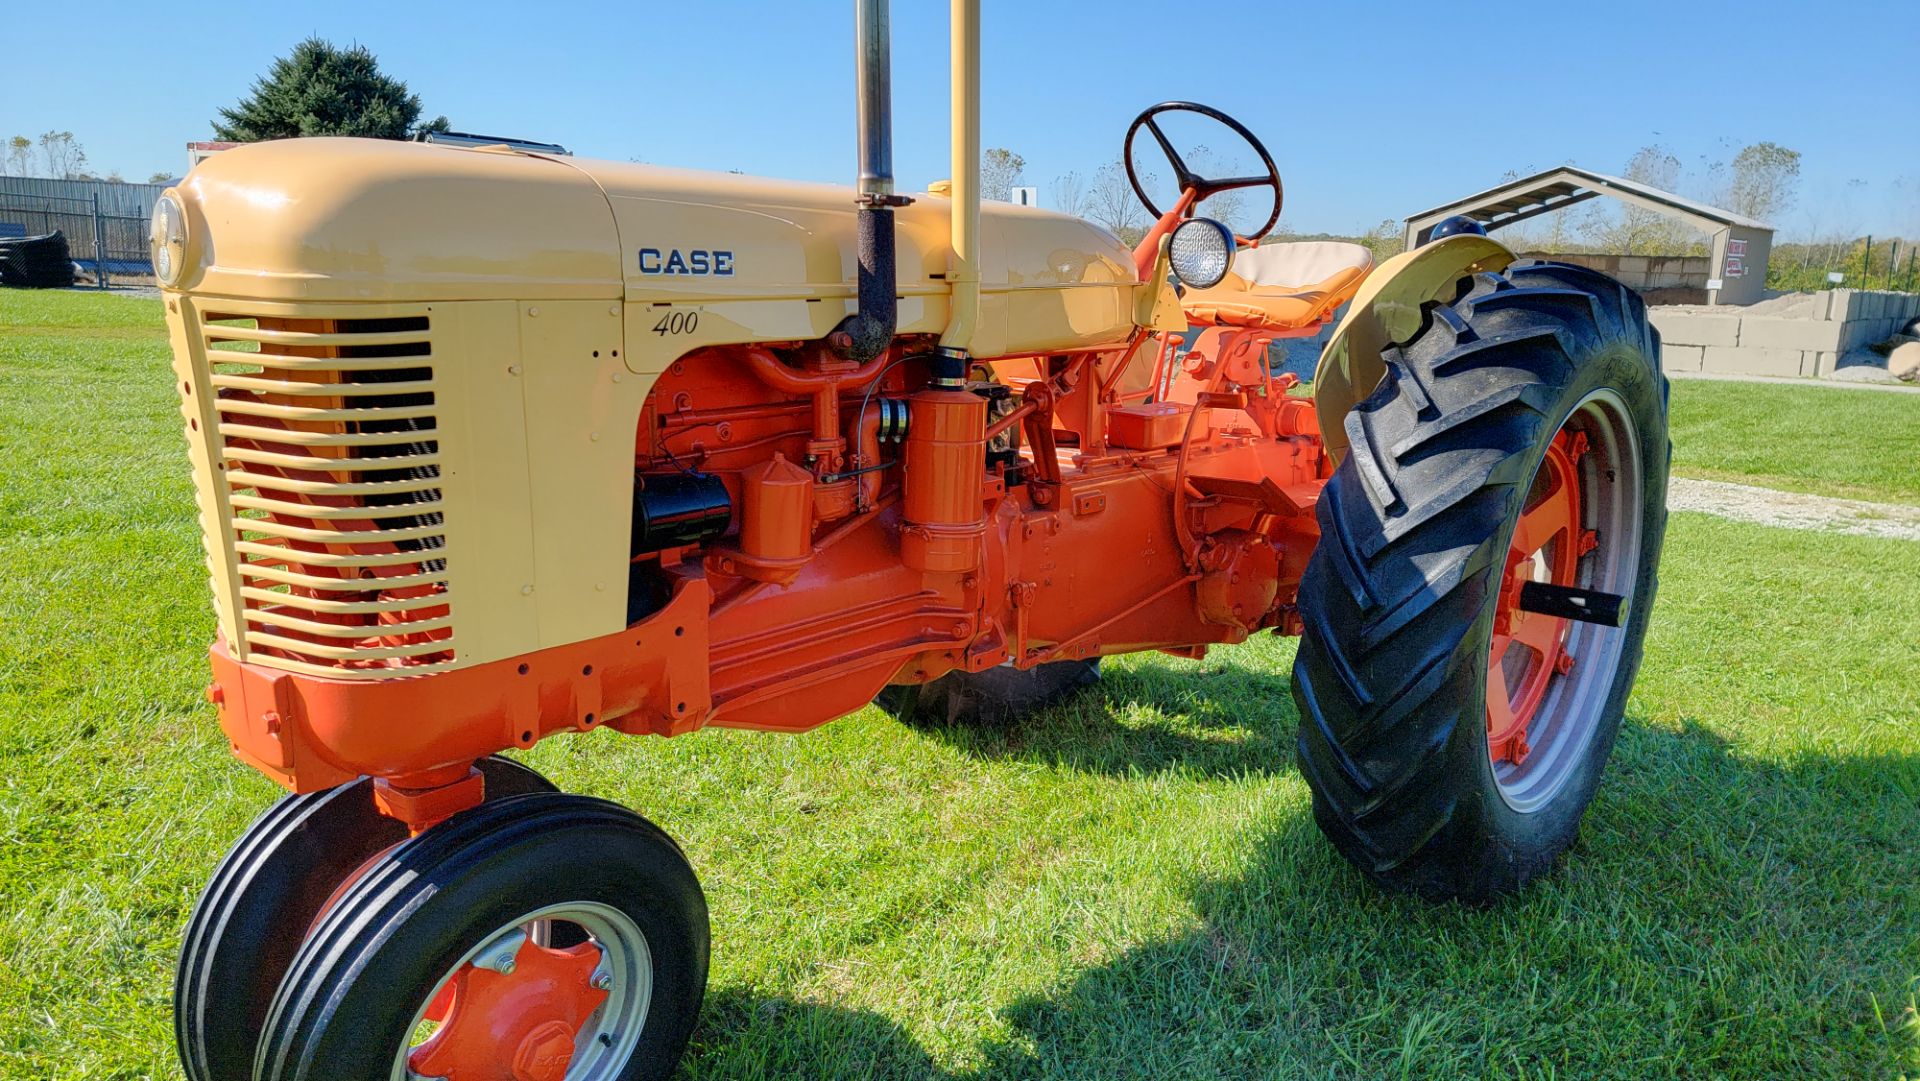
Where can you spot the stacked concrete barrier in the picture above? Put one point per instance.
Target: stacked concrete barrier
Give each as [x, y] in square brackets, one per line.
[1804, 334]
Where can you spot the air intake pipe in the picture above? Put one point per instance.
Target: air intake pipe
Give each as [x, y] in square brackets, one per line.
[868, 331]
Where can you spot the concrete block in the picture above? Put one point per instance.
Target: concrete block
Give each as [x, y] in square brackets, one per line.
[1681, 358]
[1778, 333]
[1751, 360]
[1820, 363]
[1839, 303]
[1904, 362]
[1687, 328]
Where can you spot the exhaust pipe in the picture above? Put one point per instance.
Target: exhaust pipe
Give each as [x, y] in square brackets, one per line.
[863, 335]
[963, 274]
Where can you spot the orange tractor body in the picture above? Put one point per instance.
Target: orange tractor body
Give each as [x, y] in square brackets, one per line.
[802, 528]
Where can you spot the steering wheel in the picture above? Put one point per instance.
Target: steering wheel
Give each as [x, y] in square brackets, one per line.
[1186, 178]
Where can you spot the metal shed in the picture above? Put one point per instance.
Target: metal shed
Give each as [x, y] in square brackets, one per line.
[1740, 245]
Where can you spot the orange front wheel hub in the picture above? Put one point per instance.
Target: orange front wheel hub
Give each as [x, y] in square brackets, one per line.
[512, 1014]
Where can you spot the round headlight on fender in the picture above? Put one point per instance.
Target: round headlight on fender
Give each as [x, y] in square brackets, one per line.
[1201, 251]
[168, 239]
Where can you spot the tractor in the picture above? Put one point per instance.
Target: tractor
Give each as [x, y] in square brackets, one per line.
[492, 444]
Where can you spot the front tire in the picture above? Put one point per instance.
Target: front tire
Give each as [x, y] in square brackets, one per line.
[269, 889]
[1438, 765]
[458, 928]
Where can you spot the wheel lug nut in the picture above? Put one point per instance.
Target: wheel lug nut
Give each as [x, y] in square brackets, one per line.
[602, 981]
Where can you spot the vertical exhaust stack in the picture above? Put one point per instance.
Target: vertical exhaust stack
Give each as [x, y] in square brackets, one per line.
[866, 333]
[964, 273]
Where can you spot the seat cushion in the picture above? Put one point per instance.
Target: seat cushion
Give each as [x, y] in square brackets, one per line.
[1286, 286]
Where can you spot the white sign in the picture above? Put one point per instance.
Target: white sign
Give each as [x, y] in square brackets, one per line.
[1736, 267]
[1714, 283]
[1736, 247]
[1026, 196]
[1836, 277]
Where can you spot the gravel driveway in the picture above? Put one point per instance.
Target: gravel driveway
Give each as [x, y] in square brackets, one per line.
[1793, 510]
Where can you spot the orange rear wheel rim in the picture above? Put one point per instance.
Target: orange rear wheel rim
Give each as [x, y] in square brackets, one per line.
[1528, 648]
[1552, 684]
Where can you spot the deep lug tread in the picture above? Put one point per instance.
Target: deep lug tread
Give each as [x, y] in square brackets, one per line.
[1519, 398]
[1479, 352]
[1416, 394]
[1367, 463]
[1461, 330]
[1397, 600]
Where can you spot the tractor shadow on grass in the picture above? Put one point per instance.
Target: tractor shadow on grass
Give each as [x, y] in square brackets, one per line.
[1744, 917]
[1218, 718]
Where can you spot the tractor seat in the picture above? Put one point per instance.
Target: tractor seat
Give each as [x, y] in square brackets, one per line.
[1281, 287]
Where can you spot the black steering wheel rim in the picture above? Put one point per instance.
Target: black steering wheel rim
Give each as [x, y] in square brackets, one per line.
[1184, 177]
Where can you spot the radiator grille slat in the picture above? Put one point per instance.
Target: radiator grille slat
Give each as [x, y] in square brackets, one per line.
[283, 483]
[235, 359]
[284, 460]
[269, 572]
[280, 555]
[338, 390]
[302, 510]
[240, 405]
[317, 439]
[325, 430]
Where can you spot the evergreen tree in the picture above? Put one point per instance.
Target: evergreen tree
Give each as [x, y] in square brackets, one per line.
[323, 90]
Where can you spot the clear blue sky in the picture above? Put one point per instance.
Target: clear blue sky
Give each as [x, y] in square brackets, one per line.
[1372, 111]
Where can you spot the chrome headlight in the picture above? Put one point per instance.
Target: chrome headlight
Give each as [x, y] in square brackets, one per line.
[1201, 251]
[168, 239]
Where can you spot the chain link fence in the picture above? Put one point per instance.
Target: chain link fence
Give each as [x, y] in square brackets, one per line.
[103, 244]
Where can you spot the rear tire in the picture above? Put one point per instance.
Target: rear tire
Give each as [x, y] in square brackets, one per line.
[271, 887]
[993, 697]
[1399, 598]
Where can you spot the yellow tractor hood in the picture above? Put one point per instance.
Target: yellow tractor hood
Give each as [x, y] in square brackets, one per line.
[360, 219]
[367, 219]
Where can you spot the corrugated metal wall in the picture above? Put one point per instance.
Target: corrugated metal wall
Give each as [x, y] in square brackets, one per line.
[122, 200]
[30, 206]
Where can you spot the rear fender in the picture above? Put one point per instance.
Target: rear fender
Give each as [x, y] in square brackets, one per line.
[1386, 312]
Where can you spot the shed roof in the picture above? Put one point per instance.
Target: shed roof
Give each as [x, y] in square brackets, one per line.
[1543, 193]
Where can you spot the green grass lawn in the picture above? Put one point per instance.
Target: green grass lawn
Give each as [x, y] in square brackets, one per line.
[1828, 441]
[1127, 886]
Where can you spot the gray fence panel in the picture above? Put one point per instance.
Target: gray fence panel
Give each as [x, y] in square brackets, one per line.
[127, 200]
[118, 239]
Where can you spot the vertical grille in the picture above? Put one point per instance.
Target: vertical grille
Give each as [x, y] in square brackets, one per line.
[330, 456]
